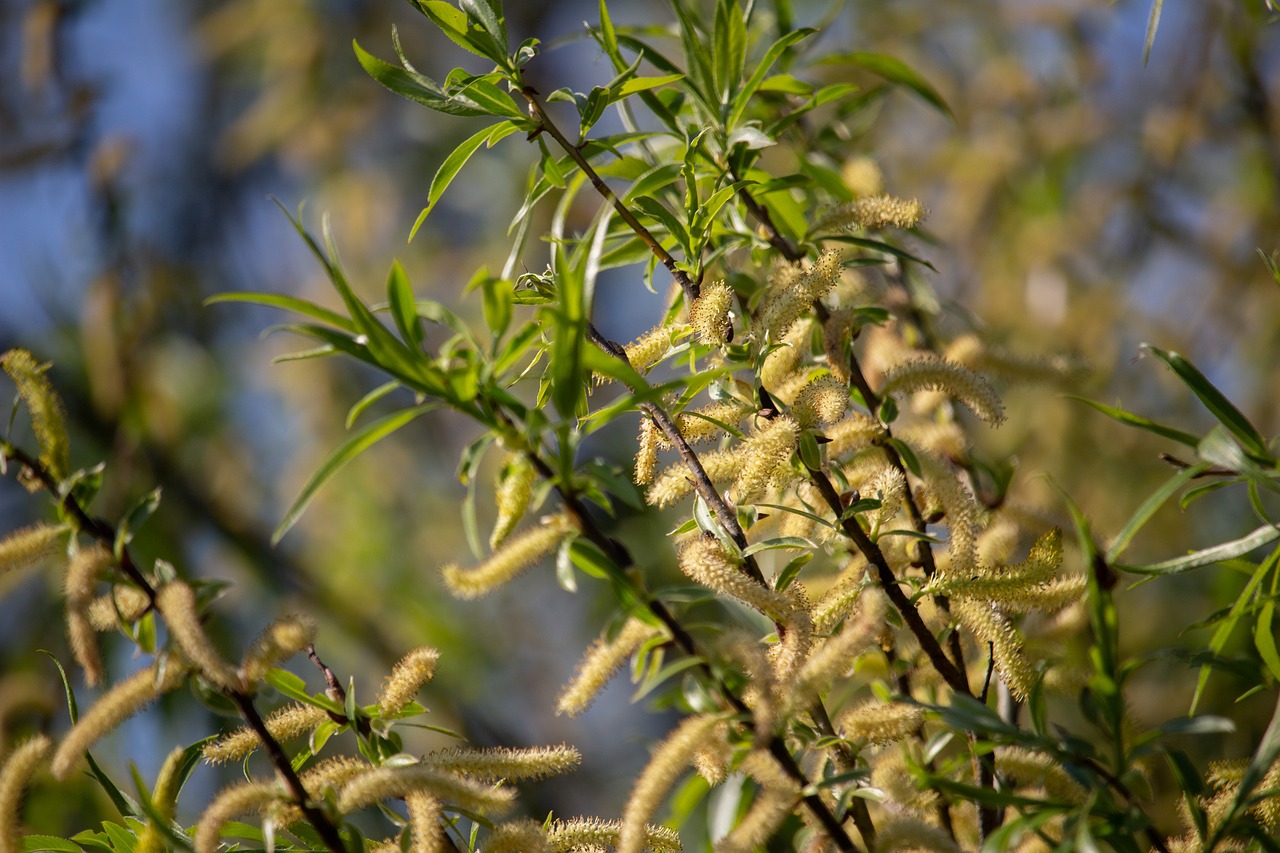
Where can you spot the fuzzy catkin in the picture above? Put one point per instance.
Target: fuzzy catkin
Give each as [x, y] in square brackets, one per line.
[823, 401]
[523, 836]
[176, 602]
[282, 639]
[28, 546]
[766, 451]
[113, 708]
[704, 424]
[497, 763]
[242, 799]
[123, 604]
[646, 453]
[407, 677]
[604, 658]
[516, 555]
[83, 573]
[907, 834]
[48, 418]
[582, 833]
[676, 483]
[514, 493]
[286, 723]
[424, 822]
[770, 809]
[669, 760]
[703, 560]
[15, 776]
[931, 373]
[385, 783]
[781, 362]
[709, 315]
[876, 722]
[992, 627]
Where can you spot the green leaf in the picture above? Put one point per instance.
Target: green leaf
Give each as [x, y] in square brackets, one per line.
[794, 542]
[49, 843]
[895, 71]
[1213, 399]
[729, 48]
[1209, 556]
[1130, 419]
[344, 453]
[880, 246]
[138, 514]
[403, 311]
[288, 303]
[453, 164]
[641, 84]
[354, 413]
[415, 87]
[747, 92]
[1149, 507]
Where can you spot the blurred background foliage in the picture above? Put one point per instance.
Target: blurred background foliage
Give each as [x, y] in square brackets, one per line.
[1080, 202]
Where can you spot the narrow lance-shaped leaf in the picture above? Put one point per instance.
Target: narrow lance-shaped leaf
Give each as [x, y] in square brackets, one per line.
[453, 164]
[895, 71]
[341, 455]
[1208, 556]
[1213, 399]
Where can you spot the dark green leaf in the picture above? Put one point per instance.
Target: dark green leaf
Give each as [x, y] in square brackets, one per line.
[743, 98]
[415, 87]
[1149, 507]
[400, 298]
[288, 303]
[453, 164]
[729, 48]
[1209, 556]
[1130, 419]
[895, 71]
[1213, 399]
[341, 455]
[49, 844]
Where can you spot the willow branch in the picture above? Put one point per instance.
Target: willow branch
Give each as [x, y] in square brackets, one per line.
[105, 535]
[688, 285]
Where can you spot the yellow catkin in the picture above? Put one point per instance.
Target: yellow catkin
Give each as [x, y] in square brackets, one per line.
[766, 451]
[176, 602]
[28, 546]
[379, 784]
[991, 626]
[875, 213]
[961, 513]
[711, 762]
[424, 822]
[48, 419]
[944, 440]
[876, 722]
[676, 483]
[669, 761]
[704, 424]
[604, 658]
[15, 776]
[765, 769]
[113, 708]
[906, 834]
[522, 836]
[840, 599]
[646, 453]
[537, 762]
[515, 490]
[793, 648]
[837, 340]
[282, 639]
[931, 373]
[408, 676]
[165, 800]
[792, 297]
[823, 401]
[581, 833]
[83, 573]
[770, 808]
[516, 555]
[123, 604]
[703, 560]
[1025, 768]
[648, 349]
[890, 772]
[836, 655]
[781, 362]
[286, 723]
[318, 780]
[245, 798]
[709, 315]
[854, 433]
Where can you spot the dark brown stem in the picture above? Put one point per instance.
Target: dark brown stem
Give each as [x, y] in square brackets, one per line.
[621, 558]
[98, 528]
[844, 762]
[284, 769]
[335, 691]
[545, 123]
[889, 583]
